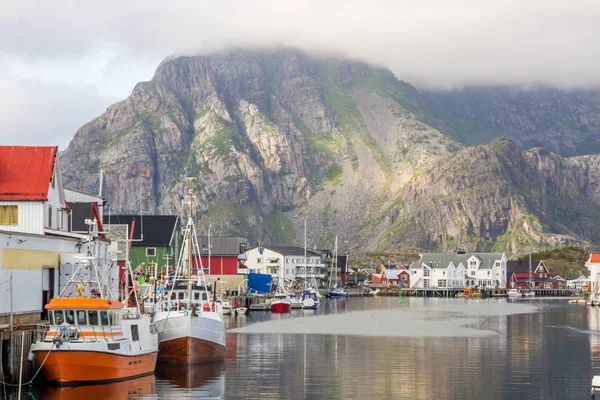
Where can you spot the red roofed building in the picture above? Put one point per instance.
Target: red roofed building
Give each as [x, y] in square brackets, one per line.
[35, 239]
[31, 193]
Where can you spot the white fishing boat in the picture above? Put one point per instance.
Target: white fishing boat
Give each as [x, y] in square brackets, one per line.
[92, 338]
[189, 323]
[514, 293]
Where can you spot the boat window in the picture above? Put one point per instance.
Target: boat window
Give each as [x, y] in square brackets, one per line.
[134, 333]
[204, 296]
[93, 317]
[51, 317]
[116, 318]
[110, 318]
[81, 317]
[180, 295]
[59, 317]
[173, 297]
[104, 317]
[70, 317]
[196, 296]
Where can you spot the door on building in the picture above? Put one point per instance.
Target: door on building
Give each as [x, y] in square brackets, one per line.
[47, 289]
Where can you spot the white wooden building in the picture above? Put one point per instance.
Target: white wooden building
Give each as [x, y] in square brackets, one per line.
[286, 262]
[34, 234]
[458, 270]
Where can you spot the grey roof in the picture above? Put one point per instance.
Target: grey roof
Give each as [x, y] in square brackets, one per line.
[441, 260]
[521, 266]
[223, 245]
[292, 251]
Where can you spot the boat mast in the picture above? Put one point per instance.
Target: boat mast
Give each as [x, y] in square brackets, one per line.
[305, 273]
[189, 244]
[529, 271]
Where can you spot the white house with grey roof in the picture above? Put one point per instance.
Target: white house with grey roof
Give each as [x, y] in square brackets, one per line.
[286, 261]
[458, 270]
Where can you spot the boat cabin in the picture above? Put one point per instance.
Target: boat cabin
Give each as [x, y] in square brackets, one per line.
[86, 319]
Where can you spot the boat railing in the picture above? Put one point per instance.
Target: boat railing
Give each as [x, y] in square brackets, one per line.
[41, 330]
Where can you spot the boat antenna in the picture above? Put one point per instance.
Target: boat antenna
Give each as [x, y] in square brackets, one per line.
[305, 272]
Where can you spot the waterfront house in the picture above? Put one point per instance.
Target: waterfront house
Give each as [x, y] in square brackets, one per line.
[593, 266]
[458, 270]
[519, 278]
[226, 252]
[288, 260]
[581, 282]
[36, 242]
[155, 242]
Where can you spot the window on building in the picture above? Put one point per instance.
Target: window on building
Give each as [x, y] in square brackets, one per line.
[259, 260]
[150, 251]
[441, 283]
[426, 272]
[59, 219]
[425, 283]
[472, 273]
[9, 215]
[49, 216]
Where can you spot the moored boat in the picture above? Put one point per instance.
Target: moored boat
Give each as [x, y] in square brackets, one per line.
[189, 324]
[514, 293]
[92, 338]
[339, 291]
[281, 302]
[227, 307]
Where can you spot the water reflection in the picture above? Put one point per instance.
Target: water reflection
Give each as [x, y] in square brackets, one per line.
[549, 353]
[130, 389]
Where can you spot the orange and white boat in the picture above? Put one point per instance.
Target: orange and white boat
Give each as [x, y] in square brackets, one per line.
[92, 339]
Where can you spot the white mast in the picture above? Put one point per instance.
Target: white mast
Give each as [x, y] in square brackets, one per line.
[209, 247]
[529, 271]
[305, 273]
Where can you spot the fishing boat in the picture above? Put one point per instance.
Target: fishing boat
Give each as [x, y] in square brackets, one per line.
[309, 299]
[189, 323]
[339, 291]
[281, 302]
[296, 302]
[92, 338]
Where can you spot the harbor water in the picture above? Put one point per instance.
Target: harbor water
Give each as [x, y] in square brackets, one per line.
[376, 348]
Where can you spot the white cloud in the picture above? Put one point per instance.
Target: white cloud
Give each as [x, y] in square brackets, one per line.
[106, 47]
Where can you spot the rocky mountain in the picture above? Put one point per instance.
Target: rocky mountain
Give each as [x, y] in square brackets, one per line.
[274, 136]
[566, 122]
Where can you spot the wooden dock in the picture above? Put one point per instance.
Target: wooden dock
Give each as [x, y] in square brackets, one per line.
[459, 292]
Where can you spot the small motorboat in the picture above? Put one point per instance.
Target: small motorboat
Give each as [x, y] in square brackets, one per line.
[514, 293]
[240, 311]
[227, 307]
[578, 301]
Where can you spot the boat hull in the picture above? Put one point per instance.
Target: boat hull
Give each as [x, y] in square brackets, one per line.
[281, 307]
[190, 350]
[73, 367]
[187, 339]
[336, 294]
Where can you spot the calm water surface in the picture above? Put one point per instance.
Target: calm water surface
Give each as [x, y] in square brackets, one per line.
[549, 352]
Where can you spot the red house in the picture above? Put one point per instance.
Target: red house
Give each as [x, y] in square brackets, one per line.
[395, 277]
[518, 272]
[224, 253]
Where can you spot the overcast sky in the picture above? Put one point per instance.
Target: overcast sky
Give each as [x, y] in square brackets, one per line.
[63, 62]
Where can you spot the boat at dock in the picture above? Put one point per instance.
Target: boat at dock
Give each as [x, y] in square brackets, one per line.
[189, 323]
[281, 302]
[514, 293]
[92, 338]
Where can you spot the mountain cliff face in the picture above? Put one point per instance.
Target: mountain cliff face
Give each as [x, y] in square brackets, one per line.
[275, 136]
[565, 122]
